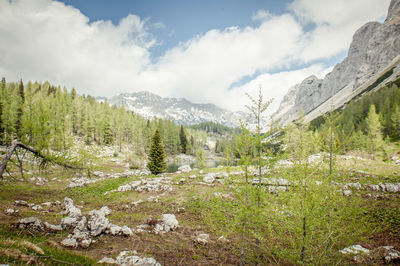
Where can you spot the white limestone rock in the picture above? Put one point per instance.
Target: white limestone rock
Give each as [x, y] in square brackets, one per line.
[209, 178]
[202, 239]
[354, 249]
[185, 168]
[70, 209]
[32, 223]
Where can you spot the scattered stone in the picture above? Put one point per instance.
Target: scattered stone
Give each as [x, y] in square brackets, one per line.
[130, 258]
[30, 223]
[69, 222]
[209, 178]
[107, 260]
[136, 203]
[97, 222]
[52, 227]
[388, 187]
[356, 186]
[223, 239]
[37, 208]
[21, 203]
[81, 182]
[12, 212]
[157, 184]
[167, 223]
[373, 187]
[347, 193]
[46, 204]
[378, 256]
[192, 176]
[202, 239]
[70, 242]
[153, 198]
[277, 189]
[354, 249]
[185, 168]
[170, 222]
[70, 208]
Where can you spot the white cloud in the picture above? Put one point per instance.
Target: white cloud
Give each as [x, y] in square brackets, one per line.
[261, 15]
[47, 40]
[272, 86]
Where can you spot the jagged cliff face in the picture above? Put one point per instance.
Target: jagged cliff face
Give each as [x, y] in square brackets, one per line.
[374, 46]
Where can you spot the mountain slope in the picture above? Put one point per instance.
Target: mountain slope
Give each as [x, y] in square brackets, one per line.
[373, 52]
[179, 110]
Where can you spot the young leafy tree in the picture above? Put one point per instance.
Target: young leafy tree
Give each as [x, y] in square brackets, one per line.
[374, 131]
[258, 107]
[244, 147]
[183, 140]
[157, 163]
[200, 157]
[396, 121]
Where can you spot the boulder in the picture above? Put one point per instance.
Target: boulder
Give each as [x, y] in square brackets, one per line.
[185, 168]
[32, 223]
[70, 209]
[354, 249]
[170, 222]
[209, 178]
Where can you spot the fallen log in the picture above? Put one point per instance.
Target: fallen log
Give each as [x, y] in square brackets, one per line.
[17, 144]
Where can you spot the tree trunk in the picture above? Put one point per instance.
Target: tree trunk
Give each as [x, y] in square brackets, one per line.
[15, 144]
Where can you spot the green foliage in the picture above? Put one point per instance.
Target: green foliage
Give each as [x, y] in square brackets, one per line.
[157, 163]
[51, 118]
[183, 140]
[200, 158]
[212, 127]
[374, 131]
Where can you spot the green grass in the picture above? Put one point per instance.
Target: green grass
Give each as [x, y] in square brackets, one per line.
[51, 254]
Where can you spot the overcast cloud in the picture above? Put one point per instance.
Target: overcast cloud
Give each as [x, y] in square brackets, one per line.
[46, 40]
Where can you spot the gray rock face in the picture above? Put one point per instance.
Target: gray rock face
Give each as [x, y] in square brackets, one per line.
[373, 48]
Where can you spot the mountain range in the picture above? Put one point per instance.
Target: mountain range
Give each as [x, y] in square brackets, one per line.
[179, 110]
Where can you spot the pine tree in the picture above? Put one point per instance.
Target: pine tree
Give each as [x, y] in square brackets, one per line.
[157, 163]
[21, 93]
[2, 88]
[183, 140]
[374, 131]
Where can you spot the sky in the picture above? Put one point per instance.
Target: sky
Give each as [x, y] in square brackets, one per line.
[207, 51]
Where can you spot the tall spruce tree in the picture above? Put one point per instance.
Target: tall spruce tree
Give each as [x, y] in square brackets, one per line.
[183, 139]
[157, 163]
[21, 101]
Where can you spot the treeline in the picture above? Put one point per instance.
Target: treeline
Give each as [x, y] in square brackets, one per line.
[212, 127]
[352, 118]
[49, 117]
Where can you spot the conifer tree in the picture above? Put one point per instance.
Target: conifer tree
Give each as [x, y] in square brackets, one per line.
[183, 140]
[157, 163]
[2, 88]
[21, 100]
[374, 131]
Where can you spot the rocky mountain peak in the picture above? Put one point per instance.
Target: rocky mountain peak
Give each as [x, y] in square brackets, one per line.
[393, 15]
[374, 46]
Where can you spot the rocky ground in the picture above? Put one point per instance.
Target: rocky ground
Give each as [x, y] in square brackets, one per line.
[129, 217]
